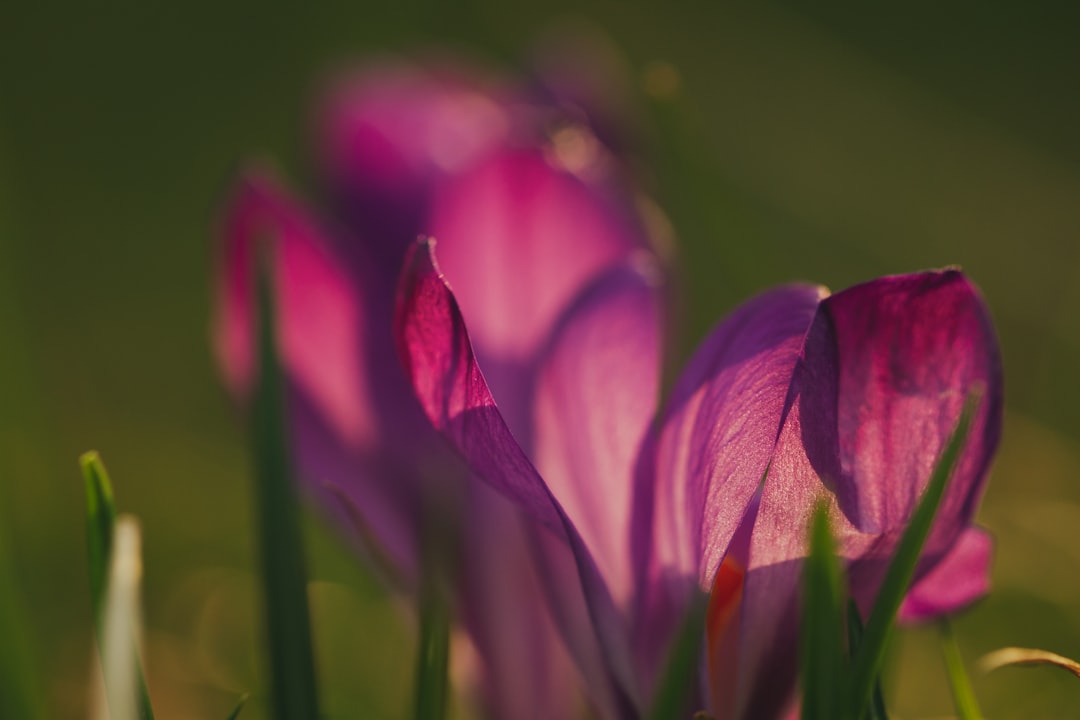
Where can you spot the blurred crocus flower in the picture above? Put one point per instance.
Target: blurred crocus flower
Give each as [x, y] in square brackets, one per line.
[528, 208]
[797, 395]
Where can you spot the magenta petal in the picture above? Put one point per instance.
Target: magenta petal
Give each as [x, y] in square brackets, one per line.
[910, 350]
[714, 446]
[319, 316]
[720, 431]
[438, 357]
[595, 397]
[884, 375]
[518, 239]
[526, 671]
[389, 133]
[322, 324]
[959, 579]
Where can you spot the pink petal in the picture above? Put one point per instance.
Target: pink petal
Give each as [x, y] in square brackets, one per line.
[323, 326]
[518, 239]
[959, 579]
[885, 371]
[596, 394]
[715, 443]
[388, 133]
[320, 322]
[525, 669]
[437, 354]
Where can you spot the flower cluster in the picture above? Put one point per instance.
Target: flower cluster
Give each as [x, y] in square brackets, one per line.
[504, 399]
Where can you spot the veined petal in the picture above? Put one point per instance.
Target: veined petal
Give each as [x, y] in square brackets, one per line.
[885, 372]
[438, 357]
[714, 445]
[719, 432]
[518, 240]
[959, 579]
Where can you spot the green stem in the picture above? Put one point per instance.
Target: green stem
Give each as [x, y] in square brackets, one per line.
[963, 695]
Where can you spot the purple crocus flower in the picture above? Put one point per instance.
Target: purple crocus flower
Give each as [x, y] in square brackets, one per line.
[797, 395]
[524, 220]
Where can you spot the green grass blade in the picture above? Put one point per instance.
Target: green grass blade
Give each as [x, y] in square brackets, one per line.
[19, 692]
[280, 541]
[100, 528]
[682, 665]
[239, 706]
[967, 707]
[433, 655]
[871, 653]
[100, 523]
[876, 711]
[823, 664]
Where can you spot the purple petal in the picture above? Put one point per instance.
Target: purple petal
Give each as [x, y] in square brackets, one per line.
[438, 357]
[319, 316]
[883, 378]
[525, 669]
[596, 394]
[959, 579]
[321, 326]
[518, 239]
[388, 133]
[714, 446]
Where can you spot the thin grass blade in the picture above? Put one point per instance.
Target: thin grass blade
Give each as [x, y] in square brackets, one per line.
[967, 707]
[432, 662]
[280, 541]
[239, 706]
[682, 666]
[1026, 656]
[877, 710]
[866, 665]
[100, 531]
[823, 663]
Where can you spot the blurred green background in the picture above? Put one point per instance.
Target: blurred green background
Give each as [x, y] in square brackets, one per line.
[830, 143]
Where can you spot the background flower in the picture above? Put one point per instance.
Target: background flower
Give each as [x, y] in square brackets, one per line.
[411, 151]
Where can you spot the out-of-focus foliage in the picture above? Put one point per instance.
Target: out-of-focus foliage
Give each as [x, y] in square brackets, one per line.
[832, 143]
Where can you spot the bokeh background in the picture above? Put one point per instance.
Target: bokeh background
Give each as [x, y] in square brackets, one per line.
[830, 143]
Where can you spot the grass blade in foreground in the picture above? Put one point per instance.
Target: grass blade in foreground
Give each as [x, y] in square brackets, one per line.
[867, 662]
[433, 654]
[280, 542]
[967, 707]
[239, 706]
[682, 665]
[100, 530]
[823, 664]
[19, 694]
[877, 710]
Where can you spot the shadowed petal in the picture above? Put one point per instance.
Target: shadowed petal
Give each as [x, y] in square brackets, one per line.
[389, 133]
[526, 670]
[959, 579]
